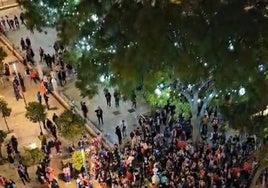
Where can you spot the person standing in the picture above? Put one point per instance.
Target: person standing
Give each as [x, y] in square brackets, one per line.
[67, 173]
[116, 98]
[39, 97]
[84, 109]
[28, 42]
[41, 53]
[22, 44]
[21, 82]
[108, 98]
[22, 175]
[25, 170]
[124, 128]
[99, 114]
[14, 143]
[119, 134]
[54, 117]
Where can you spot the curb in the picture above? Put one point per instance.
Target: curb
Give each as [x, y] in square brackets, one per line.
[18, 55]
[9, 6]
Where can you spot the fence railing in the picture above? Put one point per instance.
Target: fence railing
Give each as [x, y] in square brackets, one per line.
[4, 3]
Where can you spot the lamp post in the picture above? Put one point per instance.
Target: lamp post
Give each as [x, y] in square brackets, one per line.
[16, 72]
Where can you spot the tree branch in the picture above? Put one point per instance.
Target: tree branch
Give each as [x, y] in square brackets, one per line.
[207, 101]
[187, 95]
[204, 84]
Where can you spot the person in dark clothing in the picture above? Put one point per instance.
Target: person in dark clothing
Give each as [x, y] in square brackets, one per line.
[14, 143]
[54, 117]
[84, 109]
[108, 98]
[46, 100]
[24, 169]
[28, 42]
[22, 18]
[119, 134]
[9, 183]
[49, 124]
[22, 44]
[39, 97]
[99, 114]
[21, 82]
[62, 77]
[22, 175]
[54, 184]
[116, 98]
[53, 131]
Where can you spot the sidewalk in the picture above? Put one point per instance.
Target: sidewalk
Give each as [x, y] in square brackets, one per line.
[112, 116]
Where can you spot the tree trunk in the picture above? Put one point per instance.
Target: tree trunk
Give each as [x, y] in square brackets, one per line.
[6, 123]
[256, 176]
[40, 126]
[1, 155]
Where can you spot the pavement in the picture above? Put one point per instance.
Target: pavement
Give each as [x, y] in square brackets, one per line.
[112, 116]
[26, 131]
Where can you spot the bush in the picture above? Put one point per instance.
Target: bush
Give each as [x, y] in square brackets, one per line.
[33, 156]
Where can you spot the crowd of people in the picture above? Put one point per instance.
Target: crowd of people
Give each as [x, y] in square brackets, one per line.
[154, 159]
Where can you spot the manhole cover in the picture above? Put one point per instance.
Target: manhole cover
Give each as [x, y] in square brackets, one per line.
[116, 113]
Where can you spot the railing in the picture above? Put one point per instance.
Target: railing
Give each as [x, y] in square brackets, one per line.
[5, 3]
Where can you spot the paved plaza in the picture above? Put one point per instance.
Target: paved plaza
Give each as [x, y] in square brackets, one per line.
[26, 131]
[112, 116]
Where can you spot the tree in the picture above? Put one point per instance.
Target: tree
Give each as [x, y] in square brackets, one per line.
[70, 125]
[33, 156]
[3, 54]
[5, 111]
[201, 49]
[36, 112]
[3, 135]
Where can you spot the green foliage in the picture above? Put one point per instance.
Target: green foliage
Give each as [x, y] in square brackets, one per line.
[144, 43]
[33, 156]
[36, 112]
[3, 135]
[158, 100]
[77, 160]
[4, 108]
[70, 125]
[3, 54]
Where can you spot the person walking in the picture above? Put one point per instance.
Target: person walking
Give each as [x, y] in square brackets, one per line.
[24, 169]
[84, 109]
[124, 128]
[108, 98]
[119, 134]
[39, 97]
[99, 114]
[22, 175]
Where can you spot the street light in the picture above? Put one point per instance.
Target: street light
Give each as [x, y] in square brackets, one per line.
[16, 71]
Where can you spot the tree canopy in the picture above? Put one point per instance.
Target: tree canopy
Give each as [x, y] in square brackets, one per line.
[149, 43]
[70, 125]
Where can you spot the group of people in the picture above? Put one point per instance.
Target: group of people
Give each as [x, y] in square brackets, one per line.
[10, 23]
[155, 157]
